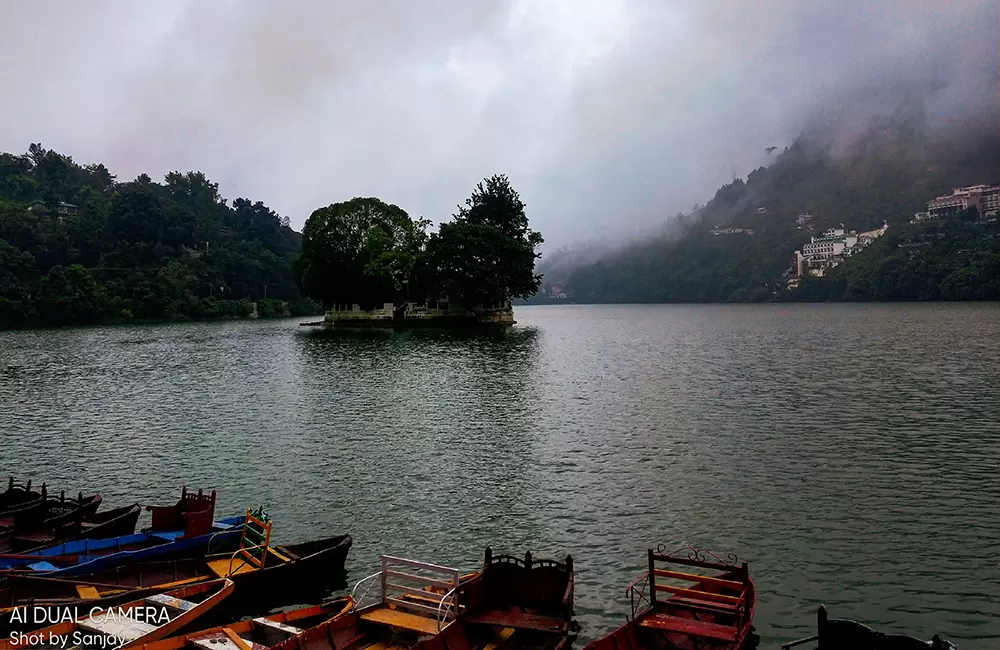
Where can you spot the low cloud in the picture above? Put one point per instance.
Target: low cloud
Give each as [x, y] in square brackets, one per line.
[608, 115]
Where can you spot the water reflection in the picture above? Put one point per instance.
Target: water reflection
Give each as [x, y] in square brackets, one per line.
[451, 415]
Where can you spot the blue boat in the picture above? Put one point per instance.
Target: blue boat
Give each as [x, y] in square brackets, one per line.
[180, 530]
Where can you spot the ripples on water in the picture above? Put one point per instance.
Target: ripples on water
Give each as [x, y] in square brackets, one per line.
[848, 452]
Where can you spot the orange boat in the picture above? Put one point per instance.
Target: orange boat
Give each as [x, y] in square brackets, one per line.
[134, 623]
[712, 609]
[257, 633]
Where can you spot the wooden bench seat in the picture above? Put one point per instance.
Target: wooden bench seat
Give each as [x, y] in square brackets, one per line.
[702, 605]
[402, 620]
[668, 623]
[517, 619]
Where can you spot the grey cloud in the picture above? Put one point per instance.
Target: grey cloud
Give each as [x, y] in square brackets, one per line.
[609, 115]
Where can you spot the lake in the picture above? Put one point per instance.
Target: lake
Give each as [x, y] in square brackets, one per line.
[849, 453]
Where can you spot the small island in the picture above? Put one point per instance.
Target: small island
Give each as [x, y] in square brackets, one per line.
[371, 265]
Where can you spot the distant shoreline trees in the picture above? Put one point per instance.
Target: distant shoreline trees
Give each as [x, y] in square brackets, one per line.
[77, 246]
[366, 252]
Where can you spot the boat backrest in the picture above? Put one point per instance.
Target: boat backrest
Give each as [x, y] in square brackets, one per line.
[256, 538]
[509, 581]
[705, 576]
[421, 588]
[194, 513]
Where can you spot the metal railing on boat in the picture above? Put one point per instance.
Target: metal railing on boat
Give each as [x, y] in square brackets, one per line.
[423, 588]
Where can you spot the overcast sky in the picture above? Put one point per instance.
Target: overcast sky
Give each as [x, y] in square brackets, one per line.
[608, 115]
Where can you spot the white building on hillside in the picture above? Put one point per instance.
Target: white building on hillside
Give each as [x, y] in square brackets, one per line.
[828, 250]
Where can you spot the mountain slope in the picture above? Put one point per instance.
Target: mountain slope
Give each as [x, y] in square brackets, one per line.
[885, 174]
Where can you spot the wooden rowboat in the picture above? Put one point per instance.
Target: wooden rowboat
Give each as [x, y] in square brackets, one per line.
[513, 602]
[710, 609]
[393, 615]
[44, 517]
[17, 496]
[265, 576]
[836, 633]
[531, 598]
[112, 523]
[135, 623]
[185, 529]
[257, 633]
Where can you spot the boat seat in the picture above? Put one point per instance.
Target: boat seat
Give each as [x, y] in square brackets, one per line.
[275, 625]
[517, 619]
[271, 633]
[703, 605]
[502, 637]
[43, 566]
[221, 566]
[219, 641]
[87, 592]
[668, 623]
[402, 620]
[168, 535]
[171, 602]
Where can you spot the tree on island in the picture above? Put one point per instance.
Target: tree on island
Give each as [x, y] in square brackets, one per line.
[486, 256]
[363, 251]
[356, 251]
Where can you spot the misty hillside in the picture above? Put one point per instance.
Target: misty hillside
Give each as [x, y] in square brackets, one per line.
[885, 173]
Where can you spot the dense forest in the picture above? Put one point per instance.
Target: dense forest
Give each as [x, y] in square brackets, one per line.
[77, 246]
[884, 175]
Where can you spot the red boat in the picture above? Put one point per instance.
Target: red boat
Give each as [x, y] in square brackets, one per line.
[688, 600]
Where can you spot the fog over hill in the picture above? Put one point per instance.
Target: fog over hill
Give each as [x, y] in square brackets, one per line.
[608, 115]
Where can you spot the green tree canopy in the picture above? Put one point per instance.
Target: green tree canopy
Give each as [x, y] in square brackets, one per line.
[133, 249]
[356, 251]
[487, 254]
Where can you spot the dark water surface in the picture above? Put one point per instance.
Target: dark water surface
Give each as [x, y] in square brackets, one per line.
[849, 453]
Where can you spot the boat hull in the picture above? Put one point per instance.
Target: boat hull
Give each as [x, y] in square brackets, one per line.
[303, 578]
[87, 556]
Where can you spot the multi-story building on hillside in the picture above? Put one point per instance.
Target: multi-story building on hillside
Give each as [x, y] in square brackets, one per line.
[829, 250]
[985, 198]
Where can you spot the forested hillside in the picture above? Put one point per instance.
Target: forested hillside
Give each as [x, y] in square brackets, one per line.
[884, 174]
[77, 246]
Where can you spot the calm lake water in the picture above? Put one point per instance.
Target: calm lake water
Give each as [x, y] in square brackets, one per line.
[849, 453]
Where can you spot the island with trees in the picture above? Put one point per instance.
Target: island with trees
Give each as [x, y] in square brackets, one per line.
[371, 265]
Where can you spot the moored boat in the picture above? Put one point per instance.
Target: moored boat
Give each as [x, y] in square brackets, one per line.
[178, 531]
[134, 623]
[265, 576]
[532, 598]
[257, 633]
[44, 517]
[111, 523]
[405, 602]
[837, 633]
[513, 602]
[17, 496]
[712, 608]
